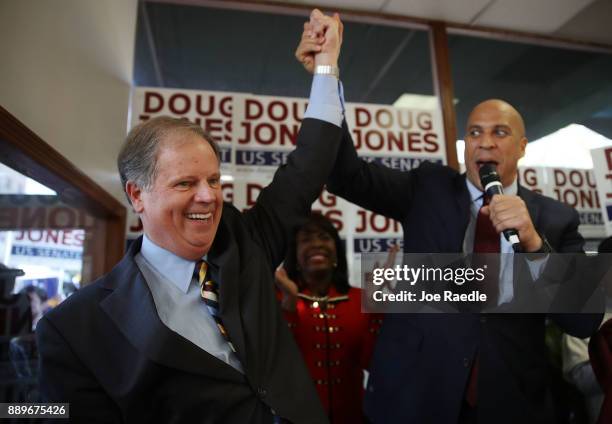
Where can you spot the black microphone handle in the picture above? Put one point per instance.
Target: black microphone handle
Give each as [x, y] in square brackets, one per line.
[510, 234]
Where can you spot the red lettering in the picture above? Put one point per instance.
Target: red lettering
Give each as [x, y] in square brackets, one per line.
[228, 131]
[567, 196]
[362, 117]
[228, 192]
[396, 140]
[335, 216]
[357, 139]
[408, 114]
[288, 133]
[213, 126]
[150, 98]
[277, 110]
[253, 109]
[414, 141]
[379, 223]
[608, 153]
[52, 236]
[247, 133]
[530, 177]
[361, 225]
[265, 133]
[576, 179]
[374, 140]
[327, 199]
[560, 178]
[424, 121]
[384, 118]
[226, 107]
[431, 142]
[590, 178]
[39, 235]
[210, 108]
[67, 238]
[252, 193]
[80, 238]
[178, 98]
[297, 114]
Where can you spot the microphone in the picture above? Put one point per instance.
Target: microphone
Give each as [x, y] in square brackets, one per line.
[489, 178]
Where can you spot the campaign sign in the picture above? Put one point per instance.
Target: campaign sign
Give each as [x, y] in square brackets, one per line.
[212, 110]
[602, 168]
[577, 188]
[265, 132]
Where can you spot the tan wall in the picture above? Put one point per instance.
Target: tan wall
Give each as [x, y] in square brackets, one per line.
[65, 72]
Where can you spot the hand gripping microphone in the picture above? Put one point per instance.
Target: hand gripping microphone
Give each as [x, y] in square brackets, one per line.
[489, 178]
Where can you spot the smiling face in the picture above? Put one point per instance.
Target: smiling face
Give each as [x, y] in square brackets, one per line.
[181, 210]
[316, 251]
[496, 134]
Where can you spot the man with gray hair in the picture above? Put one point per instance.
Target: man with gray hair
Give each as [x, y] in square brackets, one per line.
[186, 328]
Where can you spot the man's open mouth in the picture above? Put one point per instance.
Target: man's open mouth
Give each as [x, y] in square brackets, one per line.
[200, 216]
[481, 163]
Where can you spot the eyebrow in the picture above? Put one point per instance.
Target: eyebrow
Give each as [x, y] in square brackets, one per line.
[479, 127]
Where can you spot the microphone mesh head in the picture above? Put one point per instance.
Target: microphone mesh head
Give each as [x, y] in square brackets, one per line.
[488, 174]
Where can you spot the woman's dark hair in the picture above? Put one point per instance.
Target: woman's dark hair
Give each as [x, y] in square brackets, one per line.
[317, 221]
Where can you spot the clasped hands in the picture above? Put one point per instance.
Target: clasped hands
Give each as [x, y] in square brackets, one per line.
[321, 41]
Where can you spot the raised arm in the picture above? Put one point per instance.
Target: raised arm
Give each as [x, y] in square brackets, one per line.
[287, 200]
[368, 185]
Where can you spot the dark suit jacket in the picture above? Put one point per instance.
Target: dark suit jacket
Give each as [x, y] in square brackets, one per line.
[106, 351]
[422, 362]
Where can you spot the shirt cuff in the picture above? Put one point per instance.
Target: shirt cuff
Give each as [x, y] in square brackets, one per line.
[325, 100]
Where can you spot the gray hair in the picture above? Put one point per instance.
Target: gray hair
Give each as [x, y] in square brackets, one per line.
[137, 160]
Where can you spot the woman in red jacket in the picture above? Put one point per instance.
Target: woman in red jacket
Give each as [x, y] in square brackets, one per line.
[324, 313]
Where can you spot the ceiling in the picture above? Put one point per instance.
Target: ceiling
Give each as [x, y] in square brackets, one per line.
[182, 45]
[585, 20]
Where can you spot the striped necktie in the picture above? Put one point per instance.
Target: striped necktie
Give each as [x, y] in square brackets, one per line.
[209, 291]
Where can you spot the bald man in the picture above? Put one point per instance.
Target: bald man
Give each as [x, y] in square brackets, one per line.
[464, 368]
[459, 368]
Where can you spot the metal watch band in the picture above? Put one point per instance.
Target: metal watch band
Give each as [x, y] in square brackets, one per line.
[327, 70]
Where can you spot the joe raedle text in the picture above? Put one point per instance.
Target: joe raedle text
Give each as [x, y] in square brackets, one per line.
[424, 296]
[424, 283]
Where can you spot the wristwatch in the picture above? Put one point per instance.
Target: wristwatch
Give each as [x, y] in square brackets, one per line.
[544, 250]
[327, 70]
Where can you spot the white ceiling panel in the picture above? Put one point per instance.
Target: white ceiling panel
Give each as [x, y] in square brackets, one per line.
[591, 24]
[541, 16]
[446, 10]
[586, 20]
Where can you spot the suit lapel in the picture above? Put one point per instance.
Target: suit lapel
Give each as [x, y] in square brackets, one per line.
[520, 269]
[532, 205]
[132, 309]
[462, 202]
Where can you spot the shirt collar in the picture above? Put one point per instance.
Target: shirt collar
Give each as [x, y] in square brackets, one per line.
[175, 269]
[476, 193]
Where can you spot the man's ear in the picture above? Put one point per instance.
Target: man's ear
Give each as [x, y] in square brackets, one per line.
[135, 194]
[523, 142]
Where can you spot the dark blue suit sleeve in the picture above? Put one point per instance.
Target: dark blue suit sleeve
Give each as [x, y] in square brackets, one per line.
[372, 186]
[63, 378]
[285, 203]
